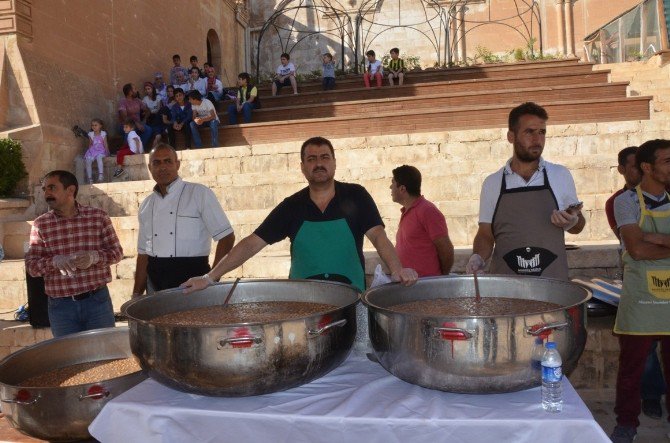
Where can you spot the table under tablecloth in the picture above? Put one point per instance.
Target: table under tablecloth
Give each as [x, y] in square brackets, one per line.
[357, 402]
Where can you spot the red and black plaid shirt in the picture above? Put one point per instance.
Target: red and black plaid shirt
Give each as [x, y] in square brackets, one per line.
[89, 230]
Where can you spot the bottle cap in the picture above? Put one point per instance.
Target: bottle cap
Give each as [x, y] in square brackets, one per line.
[550, 345]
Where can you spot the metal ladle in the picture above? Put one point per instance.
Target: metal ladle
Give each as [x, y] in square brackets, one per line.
[478, 297]
[230, 293]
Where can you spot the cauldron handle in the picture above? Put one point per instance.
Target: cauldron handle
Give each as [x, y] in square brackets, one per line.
[21, 402]
[538, 331]
[450, 333]
[317, 332]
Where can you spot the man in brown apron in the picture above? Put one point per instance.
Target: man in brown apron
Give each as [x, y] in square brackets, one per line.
[643, 217]
[526, 206]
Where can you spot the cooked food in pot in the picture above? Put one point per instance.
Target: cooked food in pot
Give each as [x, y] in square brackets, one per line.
[468, 306]
[83, 373]
[257, 312]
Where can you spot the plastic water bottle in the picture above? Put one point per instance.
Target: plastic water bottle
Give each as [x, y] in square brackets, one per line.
[552, 376]
[536, 358]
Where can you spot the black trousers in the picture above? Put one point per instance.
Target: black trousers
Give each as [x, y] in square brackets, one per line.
[170, 272]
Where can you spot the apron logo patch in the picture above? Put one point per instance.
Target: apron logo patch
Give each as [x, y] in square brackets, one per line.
[658, 283]
[529, 260]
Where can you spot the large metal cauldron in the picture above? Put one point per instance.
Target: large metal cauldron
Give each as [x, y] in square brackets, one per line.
[63, 414]
[475, 354]
[246, 358]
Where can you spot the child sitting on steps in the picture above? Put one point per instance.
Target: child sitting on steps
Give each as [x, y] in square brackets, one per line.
[133, 146]
[97, 150]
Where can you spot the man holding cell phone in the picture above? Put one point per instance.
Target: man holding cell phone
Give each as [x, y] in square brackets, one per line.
[527, 206]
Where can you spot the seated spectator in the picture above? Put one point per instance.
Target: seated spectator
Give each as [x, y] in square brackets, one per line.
[396, 67]
[373, 68]
[161, 87]
[328, 72]
[285, 75]
[204, 114]
[132, 107]
[170, 99]
[194, 64]
[247, 100]
[176, 59]
[181, 81]
[181, 116]
[154, 104]
[195, 83]
[133, 146]
[213, 85]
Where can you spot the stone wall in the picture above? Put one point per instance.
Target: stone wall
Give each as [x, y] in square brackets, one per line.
[74, 65]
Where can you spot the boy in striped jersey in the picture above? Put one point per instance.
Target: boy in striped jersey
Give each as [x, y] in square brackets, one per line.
[396, 67]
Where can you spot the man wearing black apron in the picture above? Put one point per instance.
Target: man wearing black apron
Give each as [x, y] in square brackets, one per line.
[526, 206]
[177, 224]
[326, 222]
[643, 217]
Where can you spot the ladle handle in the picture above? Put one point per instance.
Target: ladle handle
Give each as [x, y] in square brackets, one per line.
[537, 331]
[317, 332]
[21, 402]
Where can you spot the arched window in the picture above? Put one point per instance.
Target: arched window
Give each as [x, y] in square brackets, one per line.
[214, 50]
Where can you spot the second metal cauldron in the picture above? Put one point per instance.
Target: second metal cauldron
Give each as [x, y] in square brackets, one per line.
[489, 354]
[243, 359]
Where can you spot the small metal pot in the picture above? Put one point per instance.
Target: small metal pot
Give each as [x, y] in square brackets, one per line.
[62, 413]
[478, 355]
[243, 359]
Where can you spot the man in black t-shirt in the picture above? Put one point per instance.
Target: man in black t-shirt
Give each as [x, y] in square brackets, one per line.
[326, 222]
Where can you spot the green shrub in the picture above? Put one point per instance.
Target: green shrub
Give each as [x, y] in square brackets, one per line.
[12, 169]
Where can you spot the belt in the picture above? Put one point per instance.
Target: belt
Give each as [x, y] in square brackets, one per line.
[85, 295]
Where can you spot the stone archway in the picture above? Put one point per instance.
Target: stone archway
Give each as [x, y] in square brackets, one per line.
[214, 56]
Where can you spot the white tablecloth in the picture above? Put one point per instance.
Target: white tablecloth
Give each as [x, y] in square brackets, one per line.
[357, 402]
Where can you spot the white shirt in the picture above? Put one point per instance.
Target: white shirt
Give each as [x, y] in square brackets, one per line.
[153, 105]
[204, 109]
[374, 67]
[218, 86]
[200, 85]
[135, 142]
[285, 70]
[560, 179]
[182, 223]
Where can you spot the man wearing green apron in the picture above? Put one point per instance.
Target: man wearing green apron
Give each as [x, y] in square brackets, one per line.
[526, 206]
[643, 217]
[326, 222]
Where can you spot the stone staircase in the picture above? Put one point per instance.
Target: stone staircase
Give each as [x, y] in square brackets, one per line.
[452, 127]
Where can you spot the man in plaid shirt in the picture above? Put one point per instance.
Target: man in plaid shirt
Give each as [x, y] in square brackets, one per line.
[72, 247]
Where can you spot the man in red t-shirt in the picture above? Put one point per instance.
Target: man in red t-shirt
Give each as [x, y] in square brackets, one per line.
[631, 174]
[422, 241]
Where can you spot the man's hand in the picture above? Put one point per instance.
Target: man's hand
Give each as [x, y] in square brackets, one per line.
[196, 284]
[64, 263]
[564, 219]
[86, 259]
[406, 276]
[239, 108]
[197, 120]
[475, 264]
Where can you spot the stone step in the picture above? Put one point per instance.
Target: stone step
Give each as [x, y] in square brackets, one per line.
[470, 98]
[590, 259]
[427, 75]
[13, 206]
[578, 75]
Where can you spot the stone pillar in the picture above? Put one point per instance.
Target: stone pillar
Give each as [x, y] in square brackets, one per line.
[453, 32]
[560, 26]
[461, 32]
[569, 28]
